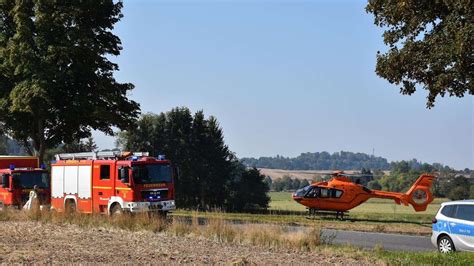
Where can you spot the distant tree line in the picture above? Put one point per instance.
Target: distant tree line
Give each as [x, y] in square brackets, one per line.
[286, 183]
[320, 161]
[210, 175]
[449, 183]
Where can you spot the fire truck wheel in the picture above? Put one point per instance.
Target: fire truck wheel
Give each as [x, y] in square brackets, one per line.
[116, 210]
[70, 206]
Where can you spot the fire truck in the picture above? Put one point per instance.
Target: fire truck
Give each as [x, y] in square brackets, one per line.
[112, 183]
[19, 175]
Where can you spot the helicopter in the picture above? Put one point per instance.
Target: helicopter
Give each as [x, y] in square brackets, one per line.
[340, 195]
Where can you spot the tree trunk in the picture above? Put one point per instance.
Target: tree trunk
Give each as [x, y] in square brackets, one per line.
[27, 147]
[41, 152]
[40, 143]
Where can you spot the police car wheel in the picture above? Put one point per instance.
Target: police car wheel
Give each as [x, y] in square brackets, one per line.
[445, 245]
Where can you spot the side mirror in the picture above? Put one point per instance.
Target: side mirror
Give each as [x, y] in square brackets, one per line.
[124, 175]
[5, 181]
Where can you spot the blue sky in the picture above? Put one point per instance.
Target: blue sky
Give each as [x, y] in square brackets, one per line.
[284, 77]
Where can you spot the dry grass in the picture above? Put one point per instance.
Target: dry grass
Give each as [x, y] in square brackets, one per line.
[127, 222]
[215, 229]
[263, 235]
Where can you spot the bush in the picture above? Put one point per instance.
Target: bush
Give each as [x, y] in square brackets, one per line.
[458, 193]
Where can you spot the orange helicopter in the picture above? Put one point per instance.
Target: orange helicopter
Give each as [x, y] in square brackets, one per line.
[340, 194]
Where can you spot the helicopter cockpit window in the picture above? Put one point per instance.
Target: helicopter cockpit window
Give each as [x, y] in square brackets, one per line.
[313, 193]
[303, 191]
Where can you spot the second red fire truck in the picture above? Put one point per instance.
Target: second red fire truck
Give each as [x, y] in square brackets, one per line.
[18, 176]
[112, 183]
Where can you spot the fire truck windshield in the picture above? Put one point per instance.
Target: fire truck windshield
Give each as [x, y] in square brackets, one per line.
[151, 173]
[30, 179]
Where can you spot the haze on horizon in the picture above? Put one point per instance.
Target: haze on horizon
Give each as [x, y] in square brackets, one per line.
[285, 77]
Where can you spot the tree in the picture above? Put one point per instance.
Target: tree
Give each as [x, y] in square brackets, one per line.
[3, 144]
[210, 175]
[304, 183]
[248, 191]
[320, 161]
[430, 44]
[471, 194]
[56, 79]
[90, 145]
[268, 181]
[374, 184]
[86, 145]
[459, 193]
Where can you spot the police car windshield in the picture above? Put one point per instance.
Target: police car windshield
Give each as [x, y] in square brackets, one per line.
[151, 173]
[30, 179]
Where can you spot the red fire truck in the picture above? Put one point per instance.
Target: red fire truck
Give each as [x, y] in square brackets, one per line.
[19, 174]
[112, 183]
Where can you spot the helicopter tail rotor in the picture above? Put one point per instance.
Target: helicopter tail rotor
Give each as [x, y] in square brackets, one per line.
[419, 195]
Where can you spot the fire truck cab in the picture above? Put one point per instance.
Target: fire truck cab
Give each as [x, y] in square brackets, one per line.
[18, 176]
[112, 183]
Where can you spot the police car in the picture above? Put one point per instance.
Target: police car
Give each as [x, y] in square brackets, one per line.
[453, 227]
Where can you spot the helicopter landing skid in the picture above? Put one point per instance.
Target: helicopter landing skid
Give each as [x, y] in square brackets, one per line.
[315, 212]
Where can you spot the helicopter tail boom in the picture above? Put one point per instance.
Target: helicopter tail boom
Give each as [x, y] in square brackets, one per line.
[419, 195]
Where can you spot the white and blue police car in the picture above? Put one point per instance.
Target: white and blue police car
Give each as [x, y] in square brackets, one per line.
[453, 227]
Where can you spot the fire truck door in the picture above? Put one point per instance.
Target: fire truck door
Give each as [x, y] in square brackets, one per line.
[103, 184]
[122, 182]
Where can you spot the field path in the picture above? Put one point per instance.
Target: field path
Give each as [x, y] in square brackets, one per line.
[32, 242]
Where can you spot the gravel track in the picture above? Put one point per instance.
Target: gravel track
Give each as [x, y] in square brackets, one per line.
[32, 242]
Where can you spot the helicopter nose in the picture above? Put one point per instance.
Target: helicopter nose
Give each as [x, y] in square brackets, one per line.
[296, 198]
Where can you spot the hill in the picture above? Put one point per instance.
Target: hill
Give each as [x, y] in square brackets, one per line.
[320, 161]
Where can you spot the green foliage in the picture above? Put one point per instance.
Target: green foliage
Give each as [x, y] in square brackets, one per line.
[403, 175]
[268, 180]
[56, 79]
[320, 161]
[3, 144]
[247, 190]
[459, 188]
[471, 194]
[304, 183]
[430, 44]
[86, 145]
[210, 175]
[452, 186]
[286, 183]
[425, 258]
[374, 184]
[458, 193]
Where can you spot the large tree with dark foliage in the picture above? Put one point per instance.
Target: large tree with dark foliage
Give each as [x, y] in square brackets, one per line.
[431, 43]
[247, 189]
[210, 176]
[56, 79]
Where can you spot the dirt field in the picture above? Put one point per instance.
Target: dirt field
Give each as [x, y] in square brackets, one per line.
[33, 242]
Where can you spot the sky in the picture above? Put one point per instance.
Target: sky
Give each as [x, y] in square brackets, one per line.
[284, 77]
